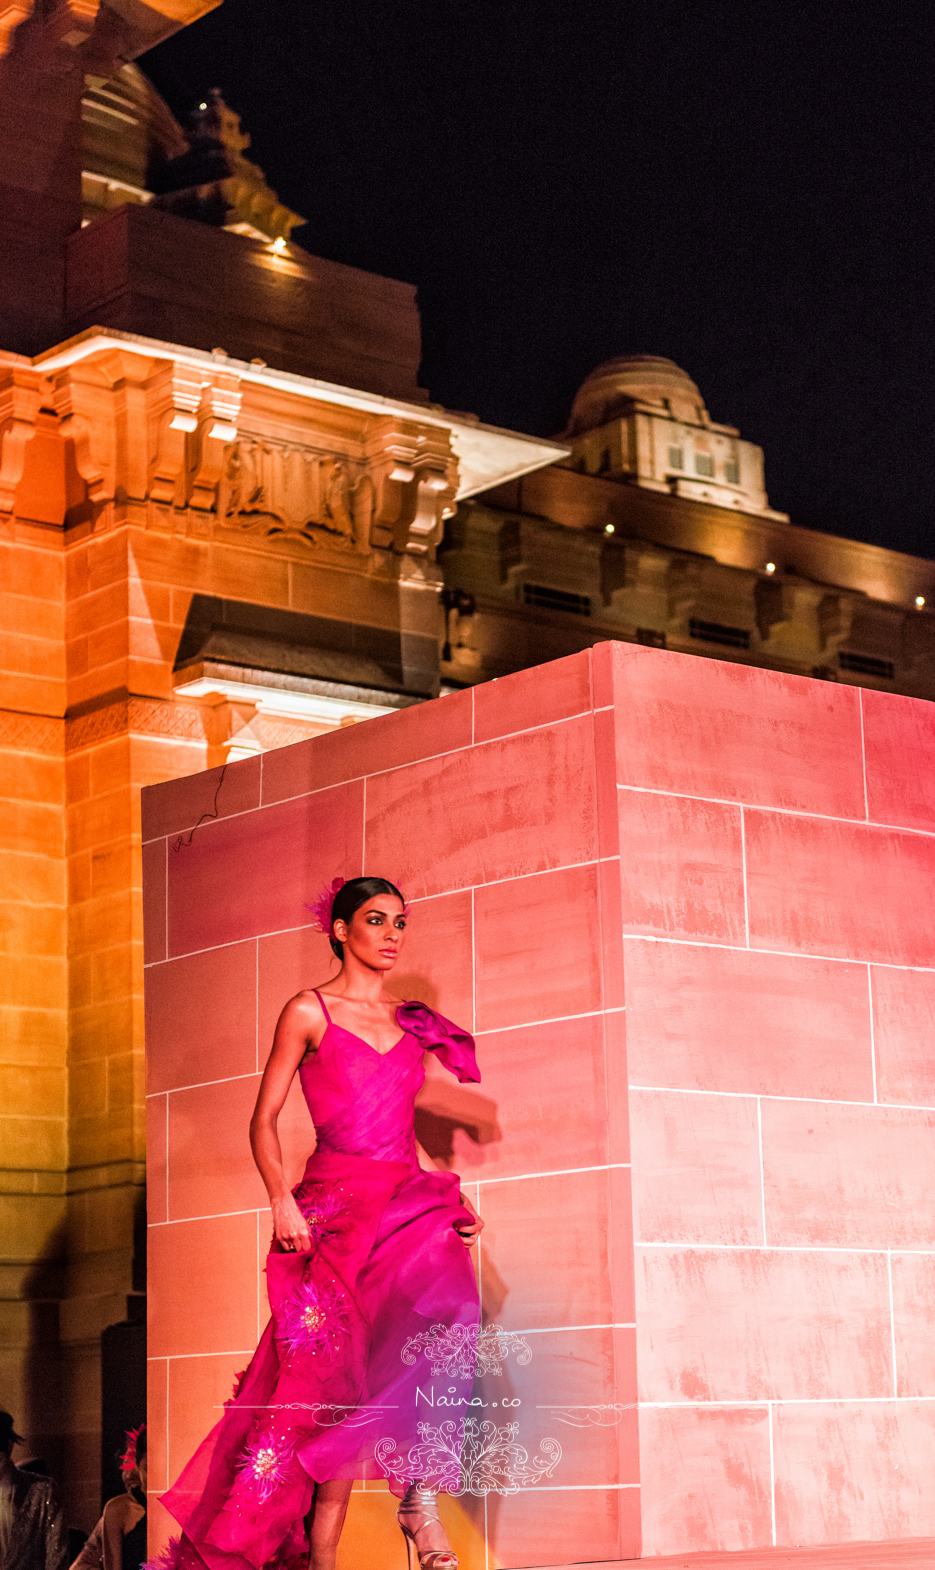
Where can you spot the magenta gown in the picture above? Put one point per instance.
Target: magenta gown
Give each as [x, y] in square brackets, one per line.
[333, 1389]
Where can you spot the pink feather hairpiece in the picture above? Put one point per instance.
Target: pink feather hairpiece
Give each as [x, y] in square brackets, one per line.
[324, 904]
[128, 1459]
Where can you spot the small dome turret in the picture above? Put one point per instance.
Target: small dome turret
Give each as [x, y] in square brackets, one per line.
[613, 388]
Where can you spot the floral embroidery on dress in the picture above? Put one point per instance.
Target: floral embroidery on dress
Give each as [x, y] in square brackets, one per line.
[264, 1462]
[468, 1456]
[326, 1214]
[314, 1320]
[463, 1350]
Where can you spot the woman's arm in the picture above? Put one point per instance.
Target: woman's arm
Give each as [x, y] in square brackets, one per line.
[467, 1234]
[119, 1516]
[301, 1024]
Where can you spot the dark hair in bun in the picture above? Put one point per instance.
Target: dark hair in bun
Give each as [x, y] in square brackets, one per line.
[349, 898]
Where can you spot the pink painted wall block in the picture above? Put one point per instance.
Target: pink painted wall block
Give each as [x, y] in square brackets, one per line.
[686, 907]
[781, 1133]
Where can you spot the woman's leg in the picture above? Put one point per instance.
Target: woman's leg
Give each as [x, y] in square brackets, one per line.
[418, 1512]
[325, 1521]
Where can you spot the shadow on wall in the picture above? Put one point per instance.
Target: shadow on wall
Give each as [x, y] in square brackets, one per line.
[38, 1407]
[455, 1122]
[62, 1398]
[443, 1107]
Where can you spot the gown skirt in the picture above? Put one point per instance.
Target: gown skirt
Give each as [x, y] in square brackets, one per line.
[344, 1372]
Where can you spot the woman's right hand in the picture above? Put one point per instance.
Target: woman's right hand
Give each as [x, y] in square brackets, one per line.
[290, 1227]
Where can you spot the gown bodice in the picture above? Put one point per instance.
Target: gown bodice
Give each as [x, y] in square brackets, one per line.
[361, 1101]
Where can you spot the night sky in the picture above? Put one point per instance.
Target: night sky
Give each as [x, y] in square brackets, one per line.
[745, 187]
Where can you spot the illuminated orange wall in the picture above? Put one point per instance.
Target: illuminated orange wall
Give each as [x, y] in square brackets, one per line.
[751, 855]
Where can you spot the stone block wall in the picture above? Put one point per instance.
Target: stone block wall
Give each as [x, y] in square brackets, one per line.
[739, 864]
[486, 806]
[33, 989]
[777, 861]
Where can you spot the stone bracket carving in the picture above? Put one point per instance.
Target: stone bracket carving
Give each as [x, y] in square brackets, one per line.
[194, 414]
[85, 395]
[415, 476]
[207, 444]
[175, 397]
[19, 408]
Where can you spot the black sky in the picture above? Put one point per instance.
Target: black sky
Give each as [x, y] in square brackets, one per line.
[745, 187]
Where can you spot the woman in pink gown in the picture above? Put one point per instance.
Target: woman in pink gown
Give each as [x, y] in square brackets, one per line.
[368, 1265]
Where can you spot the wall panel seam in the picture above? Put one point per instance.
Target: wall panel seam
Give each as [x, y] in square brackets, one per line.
[873, 1047]
[781, 812]
[776, 1248]
[393, 768]
[776, 1095]
[738, 948]
[889, 1277]
[461, 888]
[759, 1132]
[863, 752]
[523, 1177]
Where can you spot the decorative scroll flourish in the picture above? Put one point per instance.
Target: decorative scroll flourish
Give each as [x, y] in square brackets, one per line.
[327, 1414]
[604, 1415]
[463, 1350]
[468, 1456]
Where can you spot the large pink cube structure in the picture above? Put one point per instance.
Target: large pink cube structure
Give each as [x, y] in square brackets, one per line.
[687, 908]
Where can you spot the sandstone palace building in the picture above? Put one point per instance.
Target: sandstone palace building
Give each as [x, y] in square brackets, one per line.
[230, 519]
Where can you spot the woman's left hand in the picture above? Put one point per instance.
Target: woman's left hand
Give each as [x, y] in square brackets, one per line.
[471, 1232]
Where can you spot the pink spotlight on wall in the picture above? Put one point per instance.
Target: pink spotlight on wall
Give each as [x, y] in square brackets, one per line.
[686, 907]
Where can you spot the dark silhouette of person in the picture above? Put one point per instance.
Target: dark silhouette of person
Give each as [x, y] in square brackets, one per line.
[32, 1525]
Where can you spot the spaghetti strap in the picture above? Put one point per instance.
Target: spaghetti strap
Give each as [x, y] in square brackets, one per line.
[324, 1006]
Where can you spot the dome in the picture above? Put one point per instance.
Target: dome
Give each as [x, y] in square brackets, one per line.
[640, 378]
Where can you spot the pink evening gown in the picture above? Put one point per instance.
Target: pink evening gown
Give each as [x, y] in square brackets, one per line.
[338, 1383]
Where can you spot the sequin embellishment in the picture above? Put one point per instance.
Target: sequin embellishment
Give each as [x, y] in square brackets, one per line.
[313, 1320]
[264, 1463]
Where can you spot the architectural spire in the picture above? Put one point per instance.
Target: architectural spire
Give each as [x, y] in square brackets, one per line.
[214, 183]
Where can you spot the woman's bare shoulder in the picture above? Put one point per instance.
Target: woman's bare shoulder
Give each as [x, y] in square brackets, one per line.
[305, 1002]
[121, 1510]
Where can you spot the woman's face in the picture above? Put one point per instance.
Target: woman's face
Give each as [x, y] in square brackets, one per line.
[375, 933]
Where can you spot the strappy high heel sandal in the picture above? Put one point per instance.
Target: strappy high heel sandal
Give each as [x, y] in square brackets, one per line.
[423, 1503]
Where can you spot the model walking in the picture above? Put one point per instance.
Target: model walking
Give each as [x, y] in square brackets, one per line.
[368, 1262]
